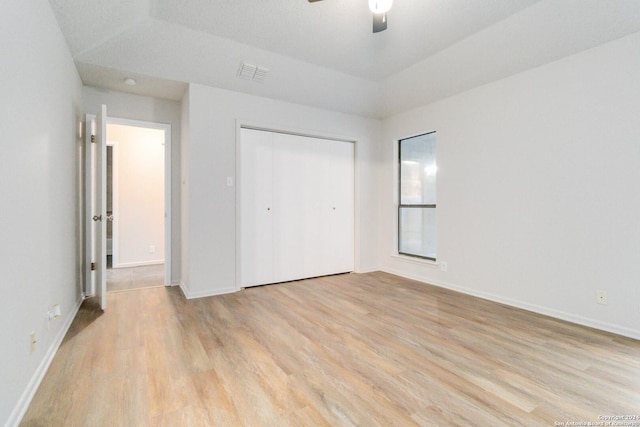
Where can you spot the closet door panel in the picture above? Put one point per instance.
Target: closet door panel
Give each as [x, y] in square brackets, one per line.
[313, 196]
[320, 242]
[256, 207]
[296, 211]
[338, 211]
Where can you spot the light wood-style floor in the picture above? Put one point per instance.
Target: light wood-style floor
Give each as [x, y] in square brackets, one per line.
[359, 349]
[121, 279]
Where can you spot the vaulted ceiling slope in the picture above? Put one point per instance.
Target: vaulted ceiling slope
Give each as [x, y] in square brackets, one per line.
[324, 54]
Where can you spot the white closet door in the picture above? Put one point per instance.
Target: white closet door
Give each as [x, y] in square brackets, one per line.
[256, 209]
[313, 196]
[297, 207]
[339, 207]
[294, 174]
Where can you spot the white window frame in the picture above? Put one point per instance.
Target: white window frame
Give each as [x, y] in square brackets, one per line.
[398, 205]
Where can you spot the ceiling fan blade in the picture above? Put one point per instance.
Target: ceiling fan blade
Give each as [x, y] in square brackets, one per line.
[379, 22]
[311, 1]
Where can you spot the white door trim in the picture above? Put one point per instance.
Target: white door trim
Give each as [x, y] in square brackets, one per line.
[115, 260]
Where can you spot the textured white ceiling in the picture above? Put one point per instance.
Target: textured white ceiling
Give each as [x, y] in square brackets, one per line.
[545, 32]
[337, 33]
[324, 54]
[109, 78]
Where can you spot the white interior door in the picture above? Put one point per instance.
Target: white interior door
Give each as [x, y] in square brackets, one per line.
[96, 206]
[89, 279]
[100, 213]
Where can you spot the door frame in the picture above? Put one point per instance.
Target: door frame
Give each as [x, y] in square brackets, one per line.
[114, 201]
[89, 119]
[167, 182]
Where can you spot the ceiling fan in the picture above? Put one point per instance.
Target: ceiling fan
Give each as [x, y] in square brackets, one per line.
[379, 8]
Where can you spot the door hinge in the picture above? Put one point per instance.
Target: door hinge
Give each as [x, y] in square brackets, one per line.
[93, 138]
[93, 266]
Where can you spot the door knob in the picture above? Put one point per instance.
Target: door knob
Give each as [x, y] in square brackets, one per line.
[97, 217]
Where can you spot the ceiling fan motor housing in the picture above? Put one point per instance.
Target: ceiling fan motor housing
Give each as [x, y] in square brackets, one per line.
[380, 6]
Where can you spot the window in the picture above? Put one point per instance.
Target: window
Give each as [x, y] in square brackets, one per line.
[417, 196]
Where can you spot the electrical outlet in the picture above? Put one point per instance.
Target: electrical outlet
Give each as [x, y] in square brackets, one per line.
[152, 249]
[33, 341]
[443, 265]
[602, 298]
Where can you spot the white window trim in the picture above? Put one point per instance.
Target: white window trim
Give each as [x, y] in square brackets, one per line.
[396, 201]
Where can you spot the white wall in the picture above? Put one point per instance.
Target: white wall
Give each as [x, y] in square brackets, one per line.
[40, 257]
[538, 188]
[184, 192]
[139, 181]
[137, 107]
[211, 214]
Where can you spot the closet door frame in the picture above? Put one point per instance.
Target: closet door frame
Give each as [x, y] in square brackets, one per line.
[240, 124]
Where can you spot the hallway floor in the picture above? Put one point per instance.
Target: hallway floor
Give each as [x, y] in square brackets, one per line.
[120, 279]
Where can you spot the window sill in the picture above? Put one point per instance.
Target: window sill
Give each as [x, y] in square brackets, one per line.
[415, 260]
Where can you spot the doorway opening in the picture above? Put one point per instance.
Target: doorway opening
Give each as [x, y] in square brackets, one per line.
[136, 203]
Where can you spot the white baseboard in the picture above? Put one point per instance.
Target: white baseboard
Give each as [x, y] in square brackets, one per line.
[24, 401]
[366, 270]
[184, 289]
[557, 314]
[138, 264]
[206, 293]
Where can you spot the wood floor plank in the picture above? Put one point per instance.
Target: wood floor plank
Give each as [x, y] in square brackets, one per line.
[356, 349]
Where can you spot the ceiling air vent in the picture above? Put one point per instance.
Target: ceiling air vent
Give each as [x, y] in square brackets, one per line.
[252, 72]
[260, 74]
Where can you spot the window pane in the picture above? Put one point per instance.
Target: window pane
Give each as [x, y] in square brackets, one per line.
[417, 228]
[418, 170]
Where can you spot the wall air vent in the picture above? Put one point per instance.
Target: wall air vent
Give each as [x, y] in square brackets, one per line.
[252, 72]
